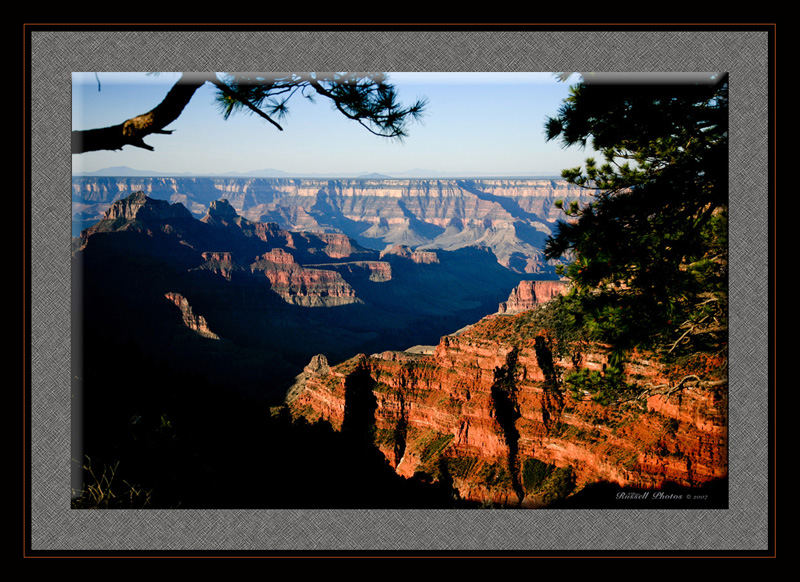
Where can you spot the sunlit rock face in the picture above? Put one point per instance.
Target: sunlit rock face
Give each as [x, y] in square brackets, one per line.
[196, 323]
[529, 294]
[484, 411]
[304, 286]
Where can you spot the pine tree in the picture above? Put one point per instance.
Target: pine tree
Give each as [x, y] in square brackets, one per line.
[648, 256]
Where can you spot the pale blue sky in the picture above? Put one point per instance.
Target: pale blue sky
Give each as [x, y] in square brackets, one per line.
[475, 124]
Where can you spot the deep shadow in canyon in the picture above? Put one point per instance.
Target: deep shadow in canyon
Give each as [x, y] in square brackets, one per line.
[190, 418]
[191, 444]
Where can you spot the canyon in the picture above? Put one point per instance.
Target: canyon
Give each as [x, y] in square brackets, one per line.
[241, 328]
[266, 293]
[510, 216]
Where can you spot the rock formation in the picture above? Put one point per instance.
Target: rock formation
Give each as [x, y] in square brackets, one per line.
[376, 271]
[220, 263]
[140, 207]
[197, 323]
[419, 257]
[494, 417]
[222, 226]
[138, 212]
[303, 286]
[529, 294]
[273, 297]
[221, 212]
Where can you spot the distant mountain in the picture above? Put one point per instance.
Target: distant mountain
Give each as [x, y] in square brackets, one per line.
[374, 176]
[123, 171]
[126, 171]
[263, 173]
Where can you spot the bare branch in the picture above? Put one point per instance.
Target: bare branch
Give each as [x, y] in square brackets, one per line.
[134, 130]
[667, 390]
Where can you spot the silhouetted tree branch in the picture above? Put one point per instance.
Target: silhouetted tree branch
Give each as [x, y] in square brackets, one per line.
[363, 97]
[133, 131]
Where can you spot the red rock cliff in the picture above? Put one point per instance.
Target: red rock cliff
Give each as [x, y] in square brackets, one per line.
[376, 271]
[529, 294]
[303, 286]
[492, 415]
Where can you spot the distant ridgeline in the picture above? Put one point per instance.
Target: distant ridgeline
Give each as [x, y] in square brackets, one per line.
[510, 216]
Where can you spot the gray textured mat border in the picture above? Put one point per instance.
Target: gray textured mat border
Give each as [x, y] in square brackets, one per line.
[56, 53]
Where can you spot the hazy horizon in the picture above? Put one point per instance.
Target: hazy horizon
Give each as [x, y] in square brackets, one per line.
[128, 172]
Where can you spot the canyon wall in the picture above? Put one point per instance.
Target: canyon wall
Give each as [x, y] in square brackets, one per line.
[221, 226]
[301, 285]
[493, 417]
[513, 217]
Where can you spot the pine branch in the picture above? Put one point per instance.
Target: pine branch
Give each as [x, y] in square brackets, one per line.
[370, 105]
[359, 118]
[241, 99]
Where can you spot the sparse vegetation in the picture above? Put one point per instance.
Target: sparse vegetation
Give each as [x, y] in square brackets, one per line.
[549, 482]
[494, 475]
[462, 466]
[103, 489]
[386, 437]
[534, 473]
[559, 484]
[603, 387]
[431, 446]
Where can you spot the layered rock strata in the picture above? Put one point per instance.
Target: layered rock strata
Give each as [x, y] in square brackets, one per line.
[493, 416]
[376, 271]
[322, 286]
[415, 256]
[303, 286]
[512, 217]
[529, 294]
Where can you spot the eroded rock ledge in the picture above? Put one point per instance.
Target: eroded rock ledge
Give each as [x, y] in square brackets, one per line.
[197, 323]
